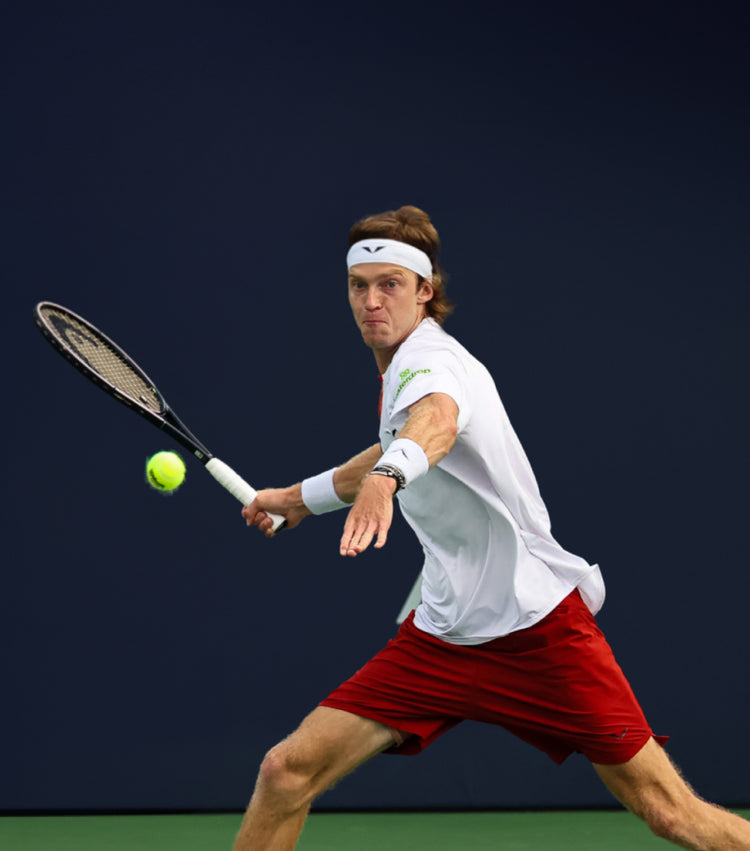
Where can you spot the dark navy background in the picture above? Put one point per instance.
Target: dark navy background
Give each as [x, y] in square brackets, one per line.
[184, 175]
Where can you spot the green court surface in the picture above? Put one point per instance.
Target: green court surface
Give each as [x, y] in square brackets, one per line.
[468, 831]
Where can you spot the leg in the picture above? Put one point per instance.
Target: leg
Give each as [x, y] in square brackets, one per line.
[651, 787]
[327, 745]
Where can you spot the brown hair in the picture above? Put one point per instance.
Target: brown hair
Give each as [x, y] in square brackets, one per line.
[413, 226]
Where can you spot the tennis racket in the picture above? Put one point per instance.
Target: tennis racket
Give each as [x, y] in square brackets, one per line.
[110, 368]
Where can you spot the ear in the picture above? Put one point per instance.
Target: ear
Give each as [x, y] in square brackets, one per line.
[425, 292]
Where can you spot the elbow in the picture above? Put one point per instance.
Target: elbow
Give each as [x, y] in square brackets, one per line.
[450, 434]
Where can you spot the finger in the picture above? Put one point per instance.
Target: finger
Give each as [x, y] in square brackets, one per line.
[364, 540]
[345, 544]
[348, 545]
[361, 542]
[265, 524]
[352, 541]
[382, 538]
[255, 516]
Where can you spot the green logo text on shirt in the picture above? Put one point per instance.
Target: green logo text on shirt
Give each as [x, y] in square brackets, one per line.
[406, 376]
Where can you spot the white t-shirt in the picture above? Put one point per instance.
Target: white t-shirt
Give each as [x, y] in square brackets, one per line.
[491, 564]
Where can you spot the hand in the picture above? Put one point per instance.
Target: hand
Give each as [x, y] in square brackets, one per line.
[371, 515]
[284, 501]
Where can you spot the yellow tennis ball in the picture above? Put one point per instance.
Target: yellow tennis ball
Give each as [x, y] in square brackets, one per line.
[165, 471]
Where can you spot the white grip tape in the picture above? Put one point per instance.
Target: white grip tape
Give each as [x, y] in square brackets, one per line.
[237, 486]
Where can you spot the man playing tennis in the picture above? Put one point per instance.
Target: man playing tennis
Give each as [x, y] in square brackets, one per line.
[505, 632]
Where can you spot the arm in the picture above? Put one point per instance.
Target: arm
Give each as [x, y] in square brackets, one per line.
[432, 423]
[288, 501]
[348, 477]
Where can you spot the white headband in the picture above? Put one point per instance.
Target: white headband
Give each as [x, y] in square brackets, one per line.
[390, 251]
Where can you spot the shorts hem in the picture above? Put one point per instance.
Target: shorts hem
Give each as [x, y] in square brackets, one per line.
[412, 743]
[624, 753]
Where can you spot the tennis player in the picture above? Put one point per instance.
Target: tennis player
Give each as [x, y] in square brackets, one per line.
[505, 632]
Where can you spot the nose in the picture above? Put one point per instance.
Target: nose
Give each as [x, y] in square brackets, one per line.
[373, 299]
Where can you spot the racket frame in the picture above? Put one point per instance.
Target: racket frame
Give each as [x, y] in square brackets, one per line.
[165, 419]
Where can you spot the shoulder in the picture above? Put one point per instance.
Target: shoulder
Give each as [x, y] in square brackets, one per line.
[429, 361]
[427, 338]
[430, 347]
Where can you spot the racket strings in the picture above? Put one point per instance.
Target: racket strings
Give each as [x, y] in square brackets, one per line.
[88, 346]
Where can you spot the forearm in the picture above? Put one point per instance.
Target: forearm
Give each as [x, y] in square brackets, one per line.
[347, 479]
[432, 424]
[427, 436]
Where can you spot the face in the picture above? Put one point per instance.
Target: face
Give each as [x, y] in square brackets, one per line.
[387, 306]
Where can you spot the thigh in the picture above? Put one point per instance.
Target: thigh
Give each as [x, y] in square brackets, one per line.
[330, 743]
[561, 689]
[646, 780]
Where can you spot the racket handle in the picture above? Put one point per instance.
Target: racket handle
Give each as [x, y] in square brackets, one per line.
[238, 487]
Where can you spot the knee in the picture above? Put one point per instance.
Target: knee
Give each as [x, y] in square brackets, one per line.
[283, 782]
[664, 821]
[678, 820]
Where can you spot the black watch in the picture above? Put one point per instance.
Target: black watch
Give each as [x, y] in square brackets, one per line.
[392, 472]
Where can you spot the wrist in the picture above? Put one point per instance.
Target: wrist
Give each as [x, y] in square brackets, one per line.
[404, 461]
[295, 501]
[389, 474]
[389, 471]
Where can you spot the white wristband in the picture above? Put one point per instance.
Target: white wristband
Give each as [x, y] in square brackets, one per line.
[319, 494]
[407, 456]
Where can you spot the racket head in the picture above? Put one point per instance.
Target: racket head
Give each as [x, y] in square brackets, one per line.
[98, 358]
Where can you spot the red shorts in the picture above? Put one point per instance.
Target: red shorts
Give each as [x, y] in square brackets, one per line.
[556, 685]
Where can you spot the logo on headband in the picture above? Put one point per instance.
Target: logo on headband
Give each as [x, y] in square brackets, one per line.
[373, 250]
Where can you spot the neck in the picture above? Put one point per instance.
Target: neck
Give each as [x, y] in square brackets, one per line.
[384, 356]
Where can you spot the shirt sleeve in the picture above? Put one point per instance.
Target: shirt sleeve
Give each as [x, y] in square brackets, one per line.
[437, 372]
